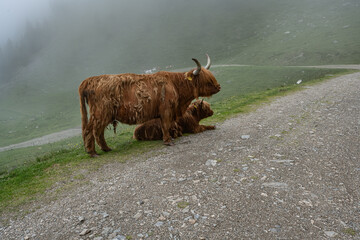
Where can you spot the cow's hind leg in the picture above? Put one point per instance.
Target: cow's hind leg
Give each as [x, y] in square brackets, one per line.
[100, 138]
[89, 140]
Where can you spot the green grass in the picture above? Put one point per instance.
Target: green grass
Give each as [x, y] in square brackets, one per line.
[28, 172]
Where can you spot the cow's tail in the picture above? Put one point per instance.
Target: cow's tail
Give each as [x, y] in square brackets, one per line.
[83, 110]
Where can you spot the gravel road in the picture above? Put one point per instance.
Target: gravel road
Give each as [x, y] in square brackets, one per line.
[289, 170]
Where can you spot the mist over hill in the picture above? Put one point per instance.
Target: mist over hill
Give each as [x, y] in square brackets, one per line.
[40, 73]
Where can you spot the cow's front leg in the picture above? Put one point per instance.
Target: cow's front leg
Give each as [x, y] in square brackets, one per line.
[166, 120]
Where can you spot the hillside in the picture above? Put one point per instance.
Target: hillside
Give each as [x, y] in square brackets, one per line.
[114, 37]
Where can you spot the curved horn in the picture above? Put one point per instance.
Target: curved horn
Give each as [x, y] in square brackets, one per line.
[208, 62]
[196, 71]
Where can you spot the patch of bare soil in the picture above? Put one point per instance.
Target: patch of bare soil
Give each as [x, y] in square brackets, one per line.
[289, 170]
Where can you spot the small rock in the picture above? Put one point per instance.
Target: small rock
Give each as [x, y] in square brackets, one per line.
[276, 185]
[238, 148]
[162, 218]
[159, 224]
[244, 137]
[211, 162]
[192, 221]
[276, 229]
[81, 219]
[148, 212]
[98, 238]
[84, 232]
[106, 231]
[194, 198]
[264, 194]
[187, 218]
[305, 203]
[282, 161]
[138, 215]
[119, 237]
[186, 209]
[166, 214]
[330, 233]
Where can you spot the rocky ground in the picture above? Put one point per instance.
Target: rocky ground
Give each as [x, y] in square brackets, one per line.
[289, 170]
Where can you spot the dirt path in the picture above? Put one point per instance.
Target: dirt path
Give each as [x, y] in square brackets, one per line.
[51, 138]
[289, 170]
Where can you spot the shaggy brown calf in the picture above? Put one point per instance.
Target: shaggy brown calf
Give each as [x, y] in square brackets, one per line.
[137, 98]
[188, 123]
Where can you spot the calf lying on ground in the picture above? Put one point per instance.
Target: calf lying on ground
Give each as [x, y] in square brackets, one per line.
[188, 123]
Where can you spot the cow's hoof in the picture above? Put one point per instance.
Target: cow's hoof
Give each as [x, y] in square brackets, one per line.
[107, 150]
[169, 143]
[93, 155]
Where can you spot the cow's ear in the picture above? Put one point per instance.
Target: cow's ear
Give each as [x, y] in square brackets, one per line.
[189, 76]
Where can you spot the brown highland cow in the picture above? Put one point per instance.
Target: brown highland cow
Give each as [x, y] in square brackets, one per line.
[188, 123]
[137, 98]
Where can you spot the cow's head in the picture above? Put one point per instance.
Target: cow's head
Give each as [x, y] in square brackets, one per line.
[204, 81]
[201, 109]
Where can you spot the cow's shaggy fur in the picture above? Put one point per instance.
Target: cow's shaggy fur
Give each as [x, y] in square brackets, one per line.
[188, 123]
[137, 98]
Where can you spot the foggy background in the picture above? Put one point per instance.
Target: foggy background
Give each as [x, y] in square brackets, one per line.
[47, 47]
[15, 14]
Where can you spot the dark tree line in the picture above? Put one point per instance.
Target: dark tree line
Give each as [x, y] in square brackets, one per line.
[16, 54]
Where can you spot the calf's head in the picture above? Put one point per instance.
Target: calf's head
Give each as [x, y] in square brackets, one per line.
[201, 109]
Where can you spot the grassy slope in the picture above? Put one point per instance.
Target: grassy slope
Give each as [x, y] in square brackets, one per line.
[66, 161]
[42, 98]
[306, 33]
